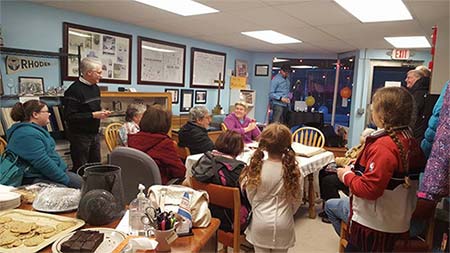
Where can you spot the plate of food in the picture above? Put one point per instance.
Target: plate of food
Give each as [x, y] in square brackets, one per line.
[89, 240]
[24, 231]
[57, 200]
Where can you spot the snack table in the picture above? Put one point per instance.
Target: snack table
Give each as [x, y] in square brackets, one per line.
[203, 240]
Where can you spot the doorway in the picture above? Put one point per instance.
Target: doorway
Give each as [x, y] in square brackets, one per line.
[387, 73]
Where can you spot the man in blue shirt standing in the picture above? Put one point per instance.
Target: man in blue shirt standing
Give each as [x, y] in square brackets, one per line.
[279, 95]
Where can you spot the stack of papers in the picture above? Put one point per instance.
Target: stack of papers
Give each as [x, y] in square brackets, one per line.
[307, 151]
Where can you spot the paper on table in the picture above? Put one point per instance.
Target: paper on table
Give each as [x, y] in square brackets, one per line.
[124, 225]
[307, 151]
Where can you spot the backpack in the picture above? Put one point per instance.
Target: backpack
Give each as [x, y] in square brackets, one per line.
[223, 171]
[10, 173]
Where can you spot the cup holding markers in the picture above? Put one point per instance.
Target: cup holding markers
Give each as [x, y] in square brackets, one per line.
[163, 227]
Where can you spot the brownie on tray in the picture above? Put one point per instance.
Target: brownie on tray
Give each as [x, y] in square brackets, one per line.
[83, 241]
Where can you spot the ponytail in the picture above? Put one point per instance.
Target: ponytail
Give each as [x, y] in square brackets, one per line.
[291, 175]
[251, 174]
[404, 162]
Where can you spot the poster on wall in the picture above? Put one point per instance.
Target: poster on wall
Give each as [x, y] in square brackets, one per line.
[206, 66]
[112, 48]
[160, 62]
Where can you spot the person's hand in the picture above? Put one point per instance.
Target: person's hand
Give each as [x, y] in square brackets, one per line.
[424, 209]
[101, 114]
[340, 172]
[250, 127]
[285, 100]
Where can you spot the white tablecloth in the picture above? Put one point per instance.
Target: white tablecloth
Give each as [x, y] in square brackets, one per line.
[308, 165]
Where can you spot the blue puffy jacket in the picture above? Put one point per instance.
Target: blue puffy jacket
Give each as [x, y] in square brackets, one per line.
[428, 139]
[33, 144]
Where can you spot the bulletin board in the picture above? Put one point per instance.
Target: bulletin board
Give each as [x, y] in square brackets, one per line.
[205, 68]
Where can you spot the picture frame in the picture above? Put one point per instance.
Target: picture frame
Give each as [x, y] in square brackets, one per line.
[206, 65]
[31, 85]
[261, 70]
[161, 62]
[112, 48]
[1, 84]
[241, 68]
[187, 99]
[200, 96]
[175, 95]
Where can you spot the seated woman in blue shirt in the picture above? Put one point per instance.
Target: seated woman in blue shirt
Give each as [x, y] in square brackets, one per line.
[32, 143]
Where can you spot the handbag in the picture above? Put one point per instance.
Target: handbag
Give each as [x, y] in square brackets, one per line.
[168, 198]
[10, 173]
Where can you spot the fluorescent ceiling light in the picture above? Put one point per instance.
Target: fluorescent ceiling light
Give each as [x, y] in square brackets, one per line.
[408, 42]
[158, 49]
[376, 10]
[279, 60]
[303, 67]
[271, 37]
[79, 34]
[180, 7]
[276, 68]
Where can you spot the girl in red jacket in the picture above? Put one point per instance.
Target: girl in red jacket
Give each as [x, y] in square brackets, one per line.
[381, 183]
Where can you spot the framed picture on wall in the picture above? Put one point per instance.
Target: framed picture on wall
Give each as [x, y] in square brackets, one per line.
[111, 48]
[160, 62]
[200, 96]
[174, 93]
[187, 99]
[206, 66]
[241, 68]
[261, 70]
[31, 85]
[1, 84]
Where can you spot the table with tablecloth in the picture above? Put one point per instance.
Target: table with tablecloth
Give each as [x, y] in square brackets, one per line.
[308, 167]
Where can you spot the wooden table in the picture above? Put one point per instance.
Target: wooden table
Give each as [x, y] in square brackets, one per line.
[203, 240]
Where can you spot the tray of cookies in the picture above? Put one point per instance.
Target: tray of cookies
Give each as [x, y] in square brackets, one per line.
[30, 231]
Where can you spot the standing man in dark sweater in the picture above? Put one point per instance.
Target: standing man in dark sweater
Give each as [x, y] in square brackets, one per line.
[83, 114]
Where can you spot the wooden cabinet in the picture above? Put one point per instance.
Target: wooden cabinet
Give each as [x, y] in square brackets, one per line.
[117, 102]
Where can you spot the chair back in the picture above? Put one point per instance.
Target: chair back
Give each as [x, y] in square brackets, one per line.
[112, 137]
[182, 152]
[226, 197]
[137, 168]
[2, 145]
[309, 136]
[223, 127]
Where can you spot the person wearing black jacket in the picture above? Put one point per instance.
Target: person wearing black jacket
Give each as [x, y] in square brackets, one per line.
[419, 85]
[83, 113]
[194, 134]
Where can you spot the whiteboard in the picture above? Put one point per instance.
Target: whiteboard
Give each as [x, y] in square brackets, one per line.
[205, 68]
[160, 62]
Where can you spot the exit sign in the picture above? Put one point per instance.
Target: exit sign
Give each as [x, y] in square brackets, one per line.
[400, 54]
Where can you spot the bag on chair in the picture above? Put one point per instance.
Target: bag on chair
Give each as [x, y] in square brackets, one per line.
[168, 198]
[10, 173]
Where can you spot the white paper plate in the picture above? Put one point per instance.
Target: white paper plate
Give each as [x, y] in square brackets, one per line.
[111, 240]
[9, 196]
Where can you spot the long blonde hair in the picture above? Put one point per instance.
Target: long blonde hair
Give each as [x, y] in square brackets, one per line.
[276, 140]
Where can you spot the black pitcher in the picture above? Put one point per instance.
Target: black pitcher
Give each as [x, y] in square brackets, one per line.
[102, 194]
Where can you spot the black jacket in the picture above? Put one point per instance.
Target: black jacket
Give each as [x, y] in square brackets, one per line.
[195, 138]
[420, 92]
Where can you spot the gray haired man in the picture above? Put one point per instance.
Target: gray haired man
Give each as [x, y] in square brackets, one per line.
[83, 114]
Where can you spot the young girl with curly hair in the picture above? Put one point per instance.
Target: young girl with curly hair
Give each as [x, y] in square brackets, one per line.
[383, 182]
[273, 189]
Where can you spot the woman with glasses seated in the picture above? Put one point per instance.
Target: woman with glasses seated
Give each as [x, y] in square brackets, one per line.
[31, 142]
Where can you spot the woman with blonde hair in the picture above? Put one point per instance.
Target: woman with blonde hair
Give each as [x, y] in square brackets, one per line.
[273, 189]
[238, 121]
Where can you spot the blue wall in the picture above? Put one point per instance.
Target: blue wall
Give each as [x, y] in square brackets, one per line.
[37, 27]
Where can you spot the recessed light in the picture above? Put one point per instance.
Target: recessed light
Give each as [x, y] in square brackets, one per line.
[376, 11]
[180, 7]
[271, 37]
[408, 42]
